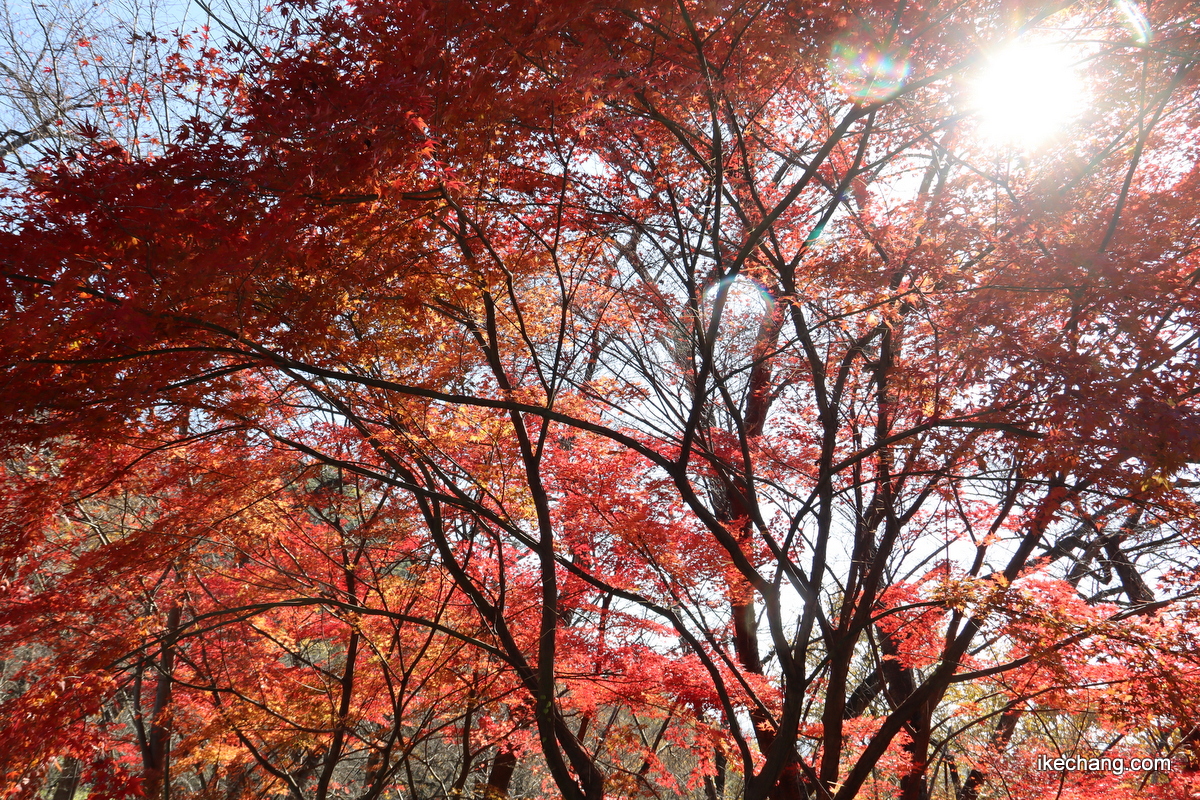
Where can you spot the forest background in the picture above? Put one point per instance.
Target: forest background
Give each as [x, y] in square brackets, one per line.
[736, 398]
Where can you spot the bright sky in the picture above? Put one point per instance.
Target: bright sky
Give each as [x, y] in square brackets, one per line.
[1027, 92]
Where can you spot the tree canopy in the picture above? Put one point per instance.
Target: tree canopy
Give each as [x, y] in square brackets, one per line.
[722, 398]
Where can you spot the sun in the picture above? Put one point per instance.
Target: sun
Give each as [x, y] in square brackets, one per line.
[1027, 93]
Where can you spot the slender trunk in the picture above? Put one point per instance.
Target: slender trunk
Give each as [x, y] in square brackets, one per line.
[1000, 739]
[68, 779]
[156, 753]
[790, 783]
[714, 787]
[1131, 580]
[500, 775]
[900, 684]
[914, 784]
[1189, 748]
[334, 754]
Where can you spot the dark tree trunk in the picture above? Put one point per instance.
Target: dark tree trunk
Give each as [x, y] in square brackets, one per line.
[500, 775]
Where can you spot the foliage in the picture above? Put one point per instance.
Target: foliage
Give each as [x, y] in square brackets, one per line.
[630, 399]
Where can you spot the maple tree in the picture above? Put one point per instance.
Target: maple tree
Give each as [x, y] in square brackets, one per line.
[79, 70]
[611, 399]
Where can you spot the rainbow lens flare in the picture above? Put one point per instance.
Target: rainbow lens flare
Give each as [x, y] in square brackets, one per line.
[865, 72]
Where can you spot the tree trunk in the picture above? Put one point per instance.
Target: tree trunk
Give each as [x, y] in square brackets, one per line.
[68, 779]
[500, 775]
[156, 755]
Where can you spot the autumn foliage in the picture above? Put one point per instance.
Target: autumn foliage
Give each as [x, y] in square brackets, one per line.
[625, 399]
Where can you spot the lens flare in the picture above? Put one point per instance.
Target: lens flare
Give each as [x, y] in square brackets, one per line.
[866, 73]
[1136, 19]
[745, 299]
[1027, 93]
